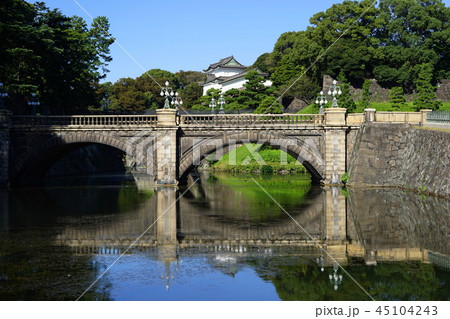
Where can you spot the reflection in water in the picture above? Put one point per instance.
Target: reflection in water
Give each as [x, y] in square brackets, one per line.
[224, 239]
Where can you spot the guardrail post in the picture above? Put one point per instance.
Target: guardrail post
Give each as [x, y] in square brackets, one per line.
[425, 115]
[166, 117]
[369, 115]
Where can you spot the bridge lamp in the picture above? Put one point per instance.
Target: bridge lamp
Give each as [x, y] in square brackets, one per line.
[3, 94]
[170, 95]
[335, 279]
[334, 91]
[221, 102]
[34, 103]
[176, 100]
[105, 104]
[212, 105]
[321, 100]
[321, 263]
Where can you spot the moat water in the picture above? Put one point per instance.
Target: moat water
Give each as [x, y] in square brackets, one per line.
[222, 237]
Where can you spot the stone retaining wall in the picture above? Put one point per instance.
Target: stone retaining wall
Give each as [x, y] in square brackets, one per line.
[402, 156]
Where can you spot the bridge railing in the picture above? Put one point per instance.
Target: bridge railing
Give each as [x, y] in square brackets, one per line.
[438, 117]
[251, 119]
[398, 117]
[85, 120]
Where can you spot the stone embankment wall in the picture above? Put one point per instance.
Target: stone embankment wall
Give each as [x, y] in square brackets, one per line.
[401, 156]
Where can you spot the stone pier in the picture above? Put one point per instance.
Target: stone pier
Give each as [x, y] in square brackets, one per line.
[166, 147]
[335, 145]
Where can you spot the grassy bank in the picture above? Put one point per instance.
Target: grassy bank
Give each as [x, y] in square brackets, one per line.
[382, 107]
[256, 158]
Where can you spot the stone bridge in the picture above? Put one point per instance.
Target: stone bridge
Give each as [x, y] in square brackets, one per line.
[167, 145]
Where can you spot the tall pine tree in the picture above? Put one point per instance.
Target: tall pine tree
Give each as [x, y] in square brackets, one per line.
[425, 97]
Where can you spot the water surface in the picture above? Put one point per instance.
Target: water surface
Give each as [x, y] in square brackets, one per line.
[224, 239]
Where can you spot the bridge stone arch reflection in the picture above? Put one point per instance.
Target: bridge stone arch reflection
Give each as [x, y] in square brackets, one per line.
[189, 227]
[184, 225]
[343, 226]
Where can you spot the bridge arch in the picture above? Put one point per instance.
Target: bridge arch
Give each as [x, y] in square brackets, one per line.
[31, 166]
[306, 152]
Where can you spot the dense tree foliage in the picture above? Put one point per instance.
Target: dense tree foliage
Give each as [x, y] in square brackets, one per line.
[56, 56]
[389, 42]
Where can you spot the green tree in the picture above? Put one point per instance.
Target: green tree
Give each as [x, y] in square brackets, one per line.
[366, 93]
[254, 90]
[203, 102]
[191, 93]
[262, 63]
[150, 84]
[396, 97]
[188, 77]
[269, 105]
[126, 97]
[58, 56]
[425, 97]
[304, 89]
[351, 54]
[408, 34]
[345, 99]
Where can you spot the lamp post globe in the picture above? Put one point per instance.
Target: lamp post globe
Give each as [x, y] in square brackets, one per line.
[172, 97]
[3, 94]
[212, 105]
[34, 103]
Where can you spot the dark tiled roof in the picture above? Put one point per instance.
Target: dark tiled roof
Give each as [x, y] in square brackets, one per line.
[223, 79]
[222, 63]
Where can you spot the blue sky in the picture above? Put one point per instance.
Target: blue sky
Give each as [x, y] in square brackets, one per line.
[189, 35]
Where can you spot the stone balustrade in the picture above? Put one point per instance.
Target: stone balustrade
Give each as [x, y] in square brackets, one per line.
[251, 119]
[240, 120]
[85, 120]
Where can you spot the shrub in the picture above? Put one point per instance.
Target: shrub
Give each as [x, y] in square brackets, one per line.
[266, 169]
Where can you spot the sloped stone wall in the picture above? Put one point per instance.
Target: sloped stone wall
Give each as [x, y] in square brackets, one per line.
[402, 156]
[381, 94]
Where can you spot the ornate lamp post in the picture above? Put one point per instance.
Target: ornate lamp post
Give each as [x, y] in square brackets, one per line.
[321, 100]
[170, 94]
[221, 102]
[176, 101]
[212, 105]
[321, 263]
[34, 103]
[334, 91]
[335, 279]
[3, 94]
[105, 104]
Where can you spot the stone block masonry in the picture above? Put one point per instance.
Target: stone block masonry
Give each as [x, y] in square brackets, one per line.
[401, 156]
